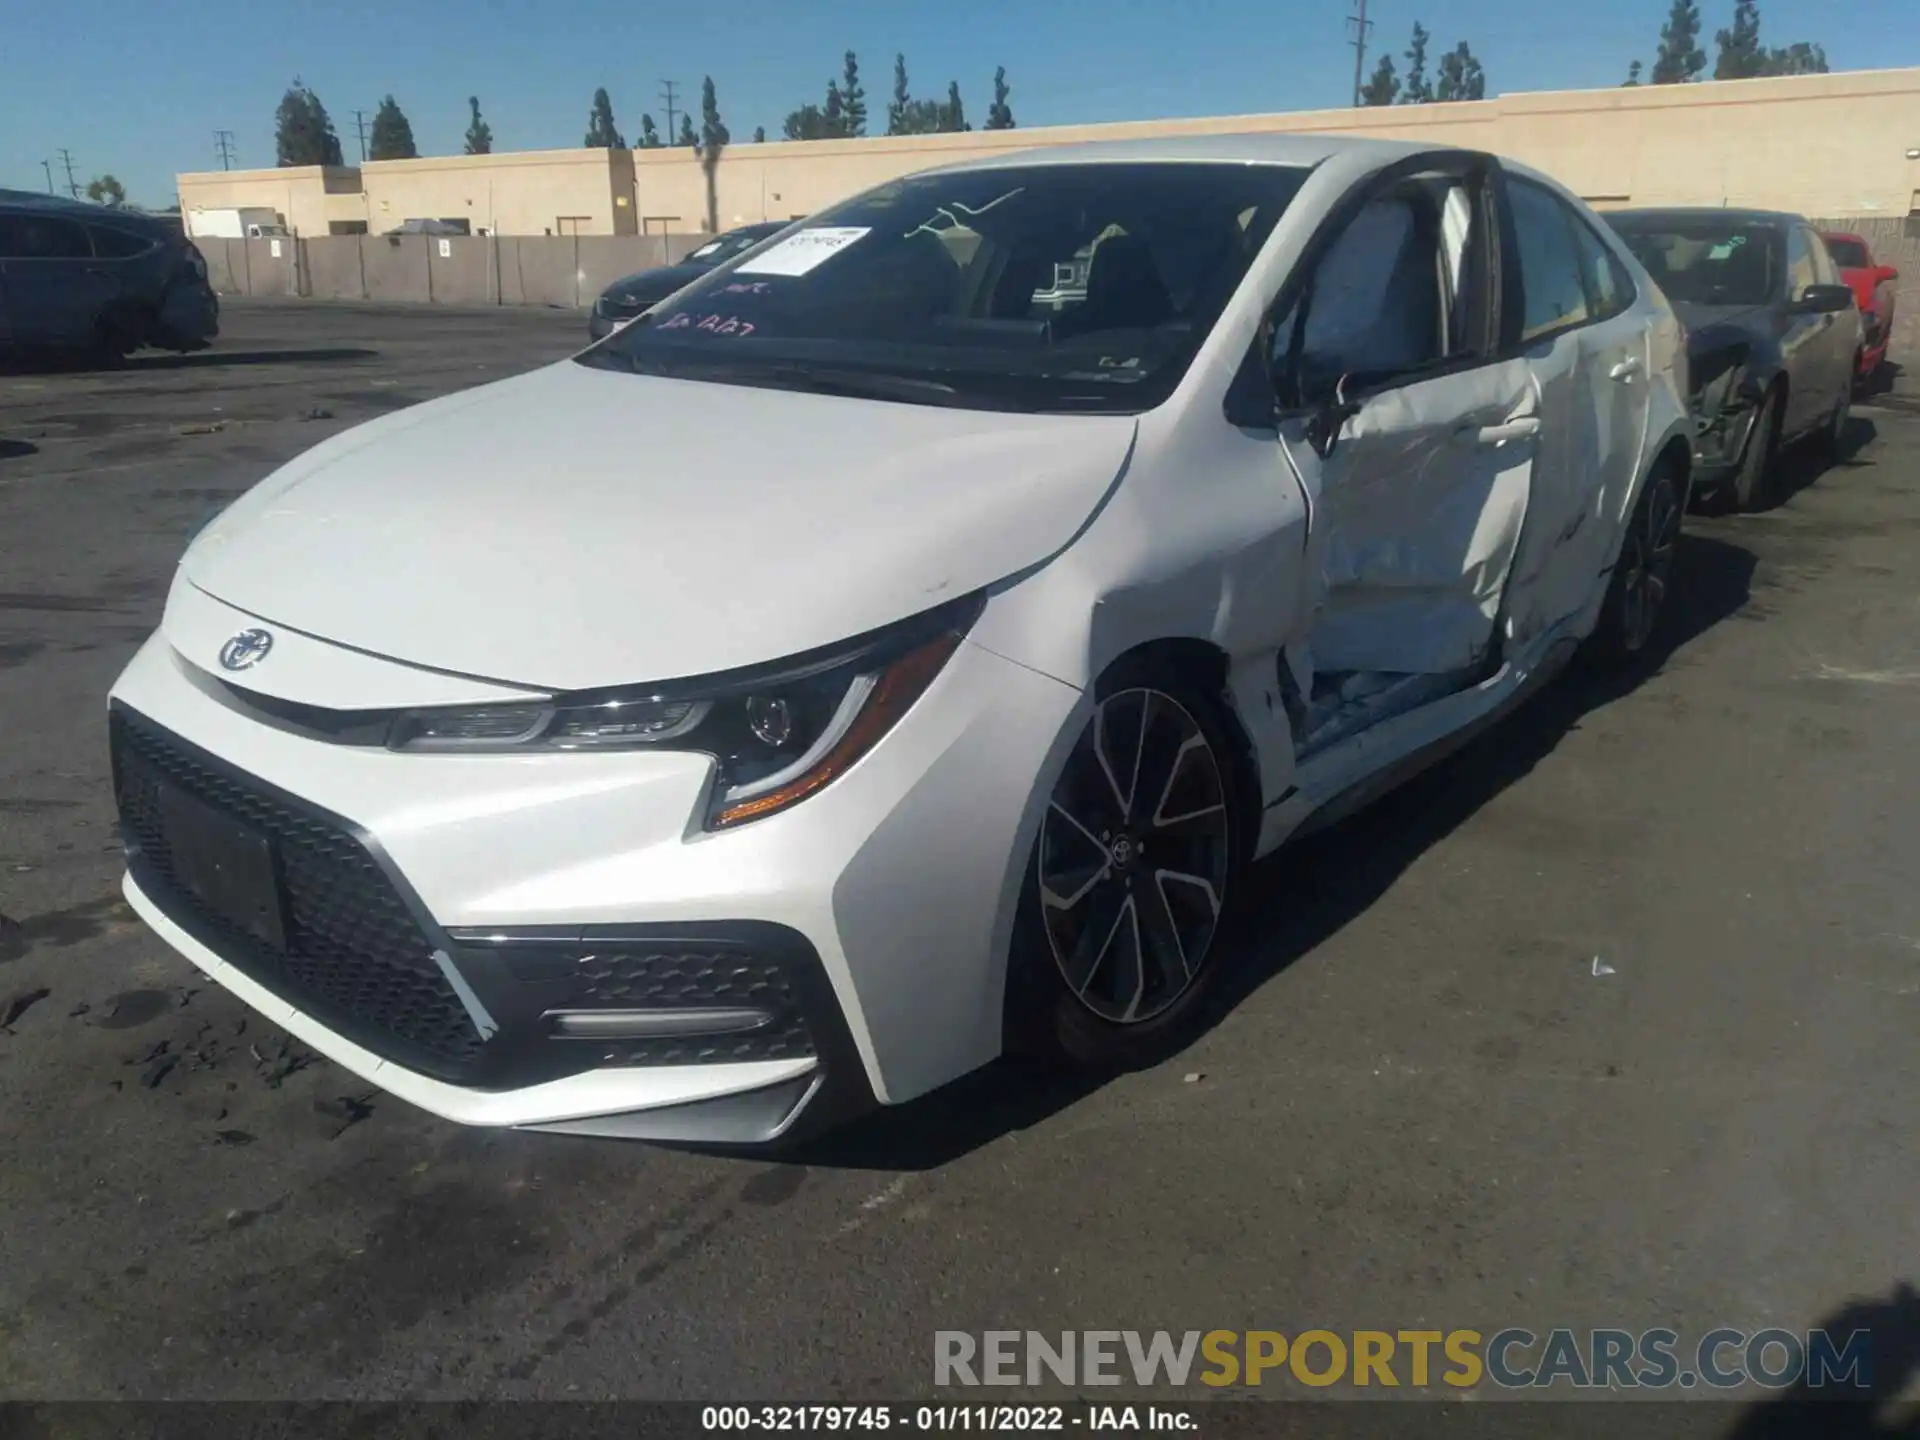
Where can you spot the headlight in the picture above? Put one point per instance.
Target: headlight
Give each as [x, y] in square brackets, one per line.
[776, 733]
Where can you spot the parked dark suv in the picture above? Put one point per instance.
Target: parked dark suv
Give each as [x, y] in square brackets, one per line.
[90, 280]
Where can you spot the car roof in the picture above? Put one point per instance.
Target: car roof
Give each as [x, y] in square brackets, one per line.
[1710, 212]
[84, 210]
[1270, 148]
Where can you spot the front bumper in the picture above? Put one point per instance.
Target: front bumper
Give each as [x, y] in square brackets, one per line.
[441, 909]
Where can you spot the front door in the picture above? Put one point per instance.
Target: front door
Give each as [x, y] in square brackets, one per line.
[55, 291]
[1418, 503]
[1808, 343]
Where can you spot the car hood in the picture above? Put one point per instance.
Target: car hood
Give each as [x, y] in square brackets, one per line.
[575, 527]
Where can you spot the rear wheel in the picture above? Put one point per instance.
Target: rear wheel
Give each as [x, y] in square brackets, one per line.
[1138, 853]
[116, 335]
[1643, 575]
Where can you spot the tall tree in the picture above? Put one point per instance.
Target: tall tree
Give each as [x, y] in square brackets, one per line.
[809, 122]
[835, 111]
[392, 134]
[303, 133]
[602, 133]
[714, 136]
[902, 99]
[1461, 77]
[479, 133]
[1799, 58]
[1418, 90]
[1680, 58]
[1384, 87]
[1633, 75]
[1738, 54]
[105, 190]
[687, 137]
[649, 133]
[953, 115]
[759, 134]
[853, 98]
[999, 113]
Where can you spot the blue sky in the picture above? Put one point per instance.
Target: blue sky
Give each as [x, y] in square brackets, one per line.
[138, 88]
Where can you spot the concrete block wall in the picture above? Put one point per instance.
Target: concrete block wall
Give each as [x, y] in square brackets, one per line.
[556, 270]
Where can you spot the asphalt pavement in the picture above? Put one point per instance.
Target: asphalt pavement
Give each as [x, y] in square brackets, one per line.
[1608, 1021]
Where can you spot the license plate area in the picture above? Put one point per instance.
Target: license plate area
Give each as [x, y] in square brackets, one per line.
[224, 864]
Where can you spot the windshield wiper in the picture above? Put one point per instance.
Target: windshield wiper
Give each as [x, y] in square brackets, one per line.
[827, 380]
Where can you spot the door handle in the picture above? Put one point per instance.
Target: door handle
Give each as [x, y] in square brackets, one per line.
[1626, 370]
[1522, 429]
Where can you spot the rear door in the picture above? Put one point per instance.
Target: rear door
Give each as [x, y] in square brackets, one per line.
[1807, 341]
[55, 290]
[1417, 505]
[1587, 348]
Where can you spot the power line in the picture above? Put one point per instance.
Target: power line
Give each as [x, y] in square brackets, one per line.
[73, 185]
[666, 95]
[360, 124]
[1361, 27]
[223, 143]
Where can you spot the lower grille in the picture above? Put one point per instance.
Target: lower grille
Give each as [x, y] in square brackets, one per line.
[355, 957]
[659, 975]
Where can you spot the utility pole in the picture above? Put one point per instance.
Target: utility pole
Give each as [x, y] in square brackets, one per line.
[223, 143]
[360, 124]
[1361, 25]
[666, 94]
[73, 185]
[47, 165]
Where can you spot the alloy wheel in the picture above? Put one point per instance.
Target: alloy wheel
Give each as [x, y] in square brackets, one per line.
[1134, 854]
[1647, 563]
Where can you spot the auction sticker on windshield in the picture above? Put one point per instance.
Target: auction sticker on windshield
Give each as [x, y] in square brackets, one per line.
[798, 254]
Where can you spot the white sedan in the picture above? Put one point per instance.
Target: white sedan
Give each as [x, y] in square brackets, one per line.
[856, 667]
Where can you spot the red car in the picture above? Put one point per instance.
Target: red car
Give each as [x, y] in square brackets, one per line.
[1872, 290]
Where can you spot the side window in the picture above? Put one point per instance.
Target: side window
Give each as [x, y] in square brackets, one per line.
[1609, 291]
[1375, 307]
[1824, 267]
[1800, 267]
[42, 237]
[1550, 268]
[118, 244]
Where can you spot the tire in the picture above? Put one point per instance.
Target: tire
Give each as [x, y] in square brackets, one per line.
[116, 335]
[1642, 579]
[1115, 945]
[1752, 486]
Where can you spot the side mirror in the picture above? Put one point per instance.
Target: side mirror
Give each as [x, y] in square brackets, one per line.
[1825, 299]
[1885, 274]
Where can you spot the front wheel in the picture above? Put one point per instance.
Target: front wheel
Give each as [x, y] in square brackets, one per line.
[1138, 854]
[1643, 575]
[1753, 482]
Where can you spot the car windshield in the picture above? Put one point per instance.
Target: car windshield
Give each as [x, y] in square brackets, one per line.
[1085, 287]
[1706, 261]
[1849, 254]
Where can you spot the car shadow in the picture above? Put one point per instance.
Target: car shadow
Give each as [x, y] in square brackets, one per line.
[1881, 383]
[194, 360]
[1804, 465]
[1839, 1411]
[16, 449]
[1310, 890]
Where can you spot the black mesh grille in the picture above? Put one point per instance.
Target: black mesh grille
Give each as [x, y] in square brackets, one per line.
[354, 954]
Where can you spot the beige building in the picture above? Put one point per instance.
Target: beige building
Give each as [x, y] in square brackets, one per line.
[1845, 145]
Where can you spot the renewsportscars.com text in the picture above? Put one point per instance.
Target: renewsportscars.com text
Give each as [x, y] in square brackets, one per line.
[1515, 1359]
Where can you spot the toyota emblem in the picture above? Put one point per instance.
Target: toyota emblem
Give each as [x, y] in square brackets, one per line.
[245, 650]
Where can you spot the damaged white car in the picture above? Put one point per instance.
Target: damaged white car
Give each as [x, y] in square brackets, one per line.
[870, 659]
